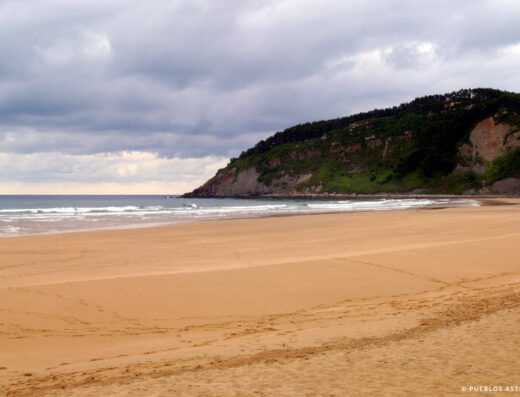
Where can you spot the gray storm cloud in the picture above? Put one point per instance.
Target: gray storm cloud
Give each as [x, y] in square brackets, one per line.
[190, 79]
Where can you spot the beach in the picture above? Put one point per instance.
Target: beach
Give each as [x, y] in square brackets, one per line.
[408, 302]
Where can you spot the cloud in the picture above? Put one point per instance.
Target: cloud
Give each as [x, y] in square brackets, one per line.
[131, 172]
[198, 78]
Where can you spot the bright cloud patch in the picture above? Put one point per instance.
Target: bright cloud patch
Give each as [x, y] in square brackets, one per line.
[123, 172]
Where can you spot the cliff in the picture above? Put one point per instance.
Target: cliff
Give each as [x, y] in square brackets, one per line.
[465, 142]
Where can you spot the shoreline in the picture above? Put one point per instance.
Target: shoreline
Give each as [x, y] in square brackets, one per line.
[145, 225]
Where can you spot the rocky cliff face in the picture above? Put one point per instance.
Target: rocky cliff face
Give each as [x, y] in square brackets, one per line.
[465, 142]
[487, 142]
[230, 183]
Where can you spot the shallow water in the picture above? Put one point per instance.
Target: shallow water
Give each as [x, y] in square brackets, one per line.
[28, 215]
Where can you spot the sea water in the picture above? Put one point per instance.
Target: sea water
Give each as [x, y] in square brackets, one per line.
[29, 215]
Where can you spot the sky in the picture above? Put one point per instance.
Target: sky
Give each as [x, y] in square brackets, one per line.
[153, 97]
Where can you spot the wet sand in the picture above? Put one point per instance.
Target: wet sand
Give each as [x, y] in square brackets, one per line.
[416, 302]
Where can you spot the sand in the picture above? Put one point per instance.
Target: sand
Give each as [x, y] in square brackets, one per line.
[416, 302]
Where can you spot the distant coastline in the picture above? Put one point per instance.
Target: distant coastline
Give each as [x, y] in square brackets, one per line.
[337, 196]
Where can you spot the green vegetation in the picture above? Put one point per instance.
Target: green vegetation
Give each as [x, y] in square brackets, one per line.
[458, 183]
[507, 166]
[400, 149]
[458, 101]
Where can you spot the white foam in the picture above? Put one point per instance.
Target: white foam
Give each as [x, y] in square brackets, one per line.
[27, 220]
[9, 231]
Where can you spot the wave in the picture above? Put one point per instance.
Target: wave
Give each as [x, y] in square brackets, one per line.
[192, 208]
[18, 221]
[68, 210]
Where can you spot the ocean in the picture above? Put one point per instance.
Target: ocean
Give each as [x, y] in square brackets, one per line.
[30, 215]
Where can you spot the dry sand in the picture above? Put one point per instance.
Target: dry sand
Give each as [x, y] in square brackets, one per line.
[388, 303]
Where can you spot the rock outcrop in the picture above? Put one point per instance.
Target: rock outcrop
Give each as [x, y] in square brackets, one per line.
[229, 183]
[507, 187]
[487, 142]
